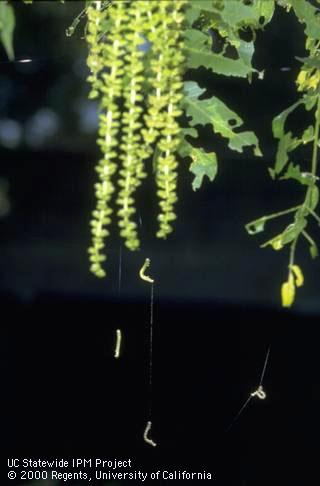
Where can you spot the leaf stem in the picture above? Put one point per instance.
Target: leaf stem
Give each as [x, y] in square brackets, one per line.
[314, 163]
[316, 138]
[314, 160]
[292, 253]
[316, 217]
[281, 213]
[272, 216]
[308, 238]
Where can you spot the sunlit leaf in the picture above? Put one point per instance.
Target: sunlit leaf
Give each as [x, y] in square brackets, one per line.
[197, 7]
[308, 15]
[214, 112]
[256, 226]
[280, 120]
[294, 172]
[198, 52]
[255, 14]
[308, 135]
[275, 242]
[312, 198]
[298, 275]
[293, 230]
[288, 235]
[288, 292]
[203, 164]
[313, 250]
[313, 62]
[7, 24]
[287, 142]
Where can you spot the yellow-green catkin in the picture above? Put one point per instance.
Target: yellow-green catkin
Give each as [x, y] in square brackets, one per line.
[132, 170]
[95, 58]
[166, 164]
[109, 84]
[157, 28]
[119, 74]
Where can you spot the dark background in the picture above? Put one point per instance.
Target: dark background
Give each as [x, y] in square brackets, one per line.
[217, 294]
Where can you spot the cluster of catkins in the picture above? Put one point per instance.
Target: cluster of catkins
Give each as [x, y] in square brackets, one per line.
[136, 61]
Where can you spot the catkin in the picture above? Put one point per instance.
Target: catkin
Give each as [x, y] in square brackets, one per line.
[132, 170]
[95, 58]
[134, 48]
[166, 165]
[110, 85]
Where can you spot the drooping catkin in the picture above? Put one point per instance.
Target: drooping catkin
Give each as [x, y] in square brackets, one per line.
[110, 84]
[132, 170]
[139, 98]
[157, 26]
[166, 164]
[95, 59]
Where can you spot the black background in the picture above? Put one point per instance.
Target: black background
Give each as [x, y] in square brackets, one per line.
[217, 306]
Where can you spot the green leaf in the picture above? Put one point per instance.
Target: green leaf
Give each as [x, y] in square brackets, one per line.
[308, 15]
[266, 10]
[245, 52]
[308, 135]
[198, 53]
[214, 112]
[185, 147]
[280, 120]
[256, 226]
[312, 198]
[196, 8]
[313, 62]
[288, 235]
[193, 90]
[239, 14]
[7, 24]
[287, 143]
[274, 242]
[76, 21]
[227, 18]
[203, 5]
[72, 28]
[293, 230]
[294, 172]
[192, 132]
[203, 164]
[314, 250]
[233, 13]
[310, 100]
